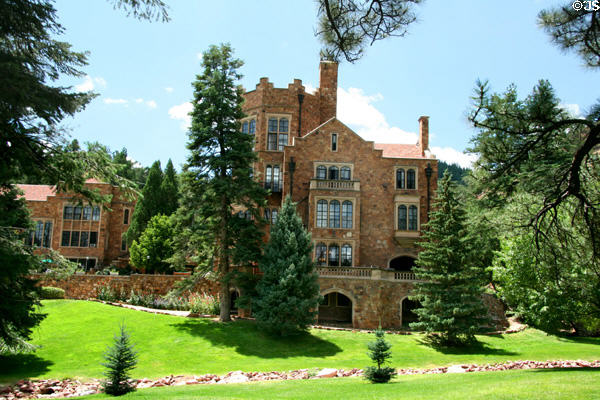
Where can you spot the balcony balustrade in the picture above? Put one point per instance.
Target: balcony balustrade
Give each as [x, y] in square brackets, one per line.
[366, 273]
[330, 184]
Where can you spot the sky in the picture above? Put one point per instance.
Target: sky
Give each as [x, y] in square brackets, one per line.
[143, 71]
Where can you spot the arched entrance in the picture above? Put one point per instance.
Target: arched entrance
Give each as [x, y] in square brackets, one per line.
[402, 263]
[408, 315]
[336, 308]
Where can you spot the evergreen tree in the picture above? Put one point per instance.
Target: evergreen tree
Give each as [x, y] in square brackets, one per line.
[169, 189]
[120, 359]
[379, 352]
[149, 204]
[288, 293]
[154, 247]
[218, 176]
[450, 279]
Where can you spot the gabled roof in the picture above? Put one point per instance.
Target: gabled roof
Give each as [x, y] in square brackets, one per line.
[37, 192]
[393, 150]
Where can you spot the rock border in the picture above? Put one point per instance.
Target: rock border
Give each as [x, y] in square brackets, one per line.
[52, 388]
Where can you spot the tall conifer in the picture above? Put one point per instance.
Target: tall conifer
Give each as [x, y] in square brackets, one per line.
[170, 189]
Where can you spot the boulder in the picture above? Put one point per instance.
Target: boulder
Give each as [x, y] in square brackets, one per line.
[327, 373]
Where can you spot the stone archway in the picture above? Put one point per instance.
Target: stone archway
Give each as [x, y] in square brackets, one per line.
[407, 314]
[402, 263]
[337, 307]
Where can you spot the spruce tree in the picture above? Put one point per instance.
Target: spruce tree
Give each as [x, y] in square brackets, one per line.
[149, 204]
[288, 293]
[450, 279]
[169, 189]
[379, 352]
[217, 178]
[120, 359]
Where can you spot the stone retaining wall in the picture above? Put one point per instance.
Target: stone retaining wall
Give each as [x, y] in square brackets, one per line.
[87, 286]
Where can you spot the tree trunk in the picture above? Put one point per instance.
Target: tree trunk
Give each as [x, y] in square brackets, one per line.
[225, 302]
[225, 299]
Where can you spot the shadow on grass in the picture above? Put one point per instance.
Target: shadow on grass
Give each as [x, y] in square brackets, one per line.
[471, 348]
[579, 339]
[17, 366]
[596, 370]
[247, 340]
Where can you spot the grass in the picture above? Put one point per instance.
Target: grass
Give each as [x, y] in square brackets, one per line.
[75, 334]
[532, 384]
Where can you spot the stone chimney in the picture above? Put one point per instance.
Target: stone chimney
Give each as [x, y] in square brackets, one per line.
[423, 134]
[328, 76]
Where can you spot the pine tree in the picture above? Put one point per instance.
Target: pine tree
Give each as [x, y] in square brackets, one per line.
[450, 281]
[379, 352]
[120, 359]
[169, 189]
[218, 177]
[149, 204]
[288, 293]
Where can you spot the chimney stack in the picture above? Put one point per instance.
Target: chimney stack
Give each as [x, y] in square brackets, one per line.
[328, 77]
[424, 133]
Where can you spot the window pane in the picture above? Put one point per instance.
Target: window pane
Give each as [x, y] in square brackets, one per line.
[410, 179]
[400, 179]
[68, 212]
[245, 127]
[347, 214]
[87, 213]
[77, 212]
[334, 142]
[252, 127]
[276, 178]
[96, 214]
[345, 173]
[334, 255]
[346, 255]
[125, 216]
[412, 218]
[66, 238]
[84, 239]
[334, 214]
[272, 125]
[93, 239]
[321, 254]
[268, 176]
[283, 140]
[274, 213]
[123, 244]
[402, 218]
[334, 173]
[39, 231]
[47, 235]
[272, 141]
[321, 172]
[74, 239]
[322, 214]
[283, 125]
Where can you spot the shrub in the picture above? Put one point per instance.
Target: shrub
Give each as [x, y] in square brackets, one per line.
[202, 303]
[379, 352]
[120, 359]
[49, 292]
[106, 293]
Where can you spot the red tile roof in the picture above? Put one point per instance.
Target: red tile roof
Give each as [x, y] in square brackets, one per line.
[37, 192]
[393, 150]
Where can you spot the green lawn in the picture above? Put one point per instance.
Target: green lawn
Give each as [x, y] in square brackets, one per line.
[527, 385]
[75, 334]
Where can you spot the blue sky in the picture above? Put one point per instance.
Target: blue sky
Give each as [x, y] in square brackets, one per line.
[143, 71]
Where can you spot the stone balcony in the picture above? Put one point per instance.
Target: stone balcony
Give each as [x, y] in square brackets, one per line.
[330, 184]
[369, 273]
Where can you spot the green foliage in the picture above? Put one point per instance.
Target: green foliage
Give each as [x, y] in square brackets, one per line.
[379, 352]
[50, 292]
[154, 246]
[457, 172]
[120, 359]
[287, 296]
[202, 303]
[169, 189]
[218, 176]
[450, 277]
[149, 204]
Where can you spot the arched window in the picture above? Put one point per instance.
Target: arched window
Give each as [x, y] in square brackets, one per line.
[410, 179]
[347, 214]
[346, 255]
[399, 178]
[322, 214]
[334, 255]
[276, 177]
[268, 177]
[334, 173]
[345, 173]
[402, 217]
[334, 214]
[321, 254]
[321, 172]
[412, 218]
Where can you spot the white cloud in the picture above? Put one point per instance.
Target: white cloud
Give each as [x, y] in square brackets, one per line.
[88, 83]
[181, 112]
[169, 89]
[453, 156]
[139, 100]
[355, 108]
[200, 56]
[115, 101]
[100, 81]
[573, 109]
[309, 88]
[151, 104]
